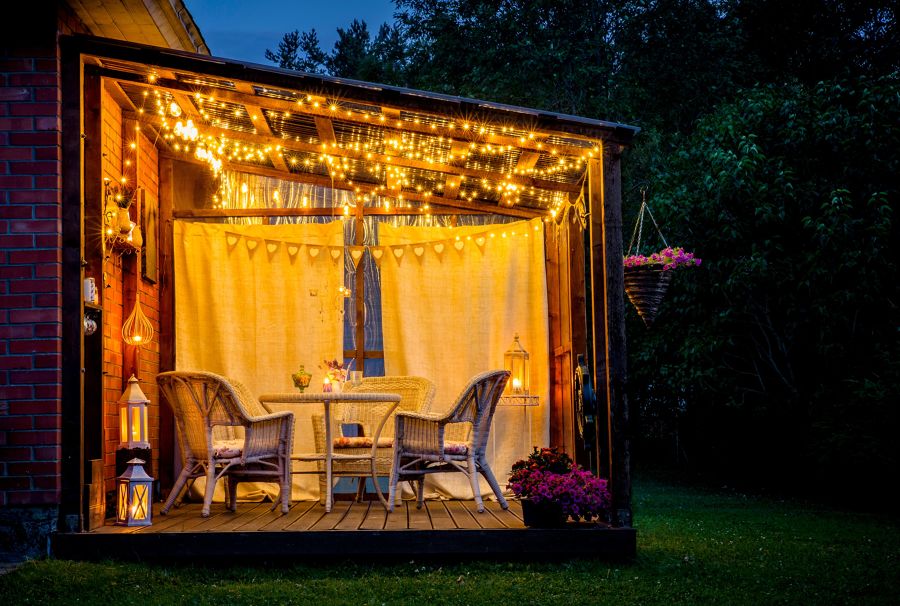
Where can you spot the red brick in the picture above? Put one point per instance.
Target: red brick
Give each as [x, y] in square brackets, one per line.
[47, 331]
[47, 241]
[19, 124]
[47, 453]
[48, 270]
[47, 211]
[16, 182]
[16, 392]
[33, 497]
[46, 482]
[39, 196]
[31, 377]
[45, 437]
[15, 363]
[15, 483]
[47, 422]
[19, 241]
[33, 346]
[32, 469]
[19, 153]
[33, 109]
[32, 79]
[48, 361]
[48, 182]
[8, 423]
[48, 300]
[9, 453]
[16, 211]
[30, 316]
[33, 139]
[46, 94]
[51, 391]
[32, 257]
[15, 271]
[50, 152]
[46, 123]
[15, 301]
[32, 286]
[15, 332]
[34, 168]
[17, 65]
[46, 65]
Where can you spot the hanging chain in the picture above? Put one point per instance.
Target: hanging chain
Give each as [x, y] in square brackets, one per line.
[639, 225]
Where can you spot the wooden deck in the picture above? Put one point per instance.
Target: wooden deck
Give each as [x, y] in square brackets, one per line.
[352, 530]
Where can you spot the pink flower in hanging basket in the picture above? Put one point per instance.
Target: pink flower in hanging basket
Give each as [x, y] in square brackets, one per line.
[669, 258]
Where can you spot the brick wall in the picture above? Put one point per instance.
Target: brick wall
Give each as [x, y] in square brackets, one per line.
[30, 262]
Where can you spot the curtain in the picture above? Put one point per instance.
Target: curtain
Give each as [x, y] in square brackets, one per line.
[453, 300]
[253, 302]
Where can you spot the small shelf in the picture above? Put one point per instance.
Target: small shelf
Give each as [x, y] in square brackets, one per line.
[93, 306]
[120, 245]
[519, 400]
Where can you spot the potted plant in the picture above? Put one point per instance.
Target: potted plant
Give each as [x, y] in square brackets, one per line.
[553, 489]
[647, 278]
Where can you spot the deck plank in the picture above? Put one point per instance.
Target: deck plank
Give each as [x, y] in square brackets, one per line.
[331, 519]
[397, 519]
[303, 515]
[419, 519]
[440, 517]
[506, 517]
[356, 516]
[375, 518]
[266, 518]
[461, 515]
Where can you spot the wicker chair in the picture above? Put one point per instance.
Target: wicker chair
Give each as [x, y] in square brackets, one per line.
[416, 395]
[224, 431]
[421, 446]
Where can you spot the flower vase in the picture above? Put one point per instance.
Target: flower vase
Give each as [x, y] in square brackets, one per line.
[301, 379]
[543, 514]
[646, 286]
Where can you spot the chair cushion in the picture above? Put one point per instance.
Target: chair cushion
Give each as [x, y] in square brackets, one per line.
[228, 449]
[455, 448]
[362, 442]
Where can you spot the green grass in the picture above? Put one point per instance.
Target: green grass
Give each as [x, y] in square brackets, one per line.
[695, 546]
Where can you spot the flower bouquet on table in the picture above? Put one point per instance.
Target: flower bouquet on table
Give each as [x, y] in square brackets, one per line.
[553, 488]
[335, 374]
[647, 278]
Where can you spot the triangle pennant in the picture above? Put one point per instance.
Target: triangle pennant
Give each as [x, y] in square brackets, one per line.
[459, 244]
[419, 250]
[377, 253]
[272, 246]
[479, 240]
[356, 253]
[313, 251]
[252, 243]
[336, 252]
[293, 249]
[232, 240]
[439, 248]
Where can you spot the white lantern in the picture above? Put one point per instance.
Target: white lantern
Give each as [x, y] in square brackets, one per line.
[133, 421]
[515, 360]
[134, 496]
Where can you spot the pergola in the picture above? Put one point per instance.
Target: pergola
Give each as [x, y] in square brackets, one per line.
[395, 151]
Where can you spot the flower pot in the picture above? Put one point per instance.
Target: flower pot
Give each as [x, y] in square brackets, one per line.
[545, 514]
[646, 286]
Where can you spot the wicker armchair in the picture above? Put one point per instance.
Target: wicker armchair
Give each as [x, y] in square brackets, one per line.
[416, 395]
[224, 431]
[421, 446]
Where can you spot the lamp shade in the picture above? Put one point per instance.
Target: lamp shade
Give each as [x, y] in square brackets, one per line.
[134, 496]
[515, 360]
[133, 421]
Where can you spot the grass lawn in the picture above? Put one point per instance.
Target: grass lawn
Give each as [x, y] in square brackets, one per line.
[694, 547]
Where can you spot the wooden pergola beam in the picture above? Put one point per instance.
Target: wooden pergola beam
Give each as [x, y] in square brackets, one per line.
[538, 143]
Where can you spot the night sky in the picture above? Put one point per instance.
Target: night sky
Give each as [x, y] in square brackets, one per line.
[244, 29]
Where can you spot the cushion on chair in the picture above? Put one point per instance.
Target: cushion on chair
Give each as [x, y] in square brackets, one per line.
[455, 448]
[228, 449]
[362, 442]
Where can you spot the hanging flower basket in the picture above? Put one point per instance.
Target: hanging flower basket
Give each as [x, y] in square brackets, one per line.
[646, 286]
[647, 278]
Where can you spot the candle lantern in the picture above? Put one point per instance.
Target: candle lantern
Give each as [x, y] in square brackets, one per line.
[134, 427]
[515, 360]
[134, 496]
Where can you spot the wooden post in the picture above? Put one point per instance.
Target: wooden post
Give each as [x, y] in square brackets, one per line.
[607, 294]
[166, 317]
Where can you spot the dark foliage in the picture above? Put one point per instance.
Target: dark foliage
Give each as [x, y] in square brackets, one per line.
[770, 148]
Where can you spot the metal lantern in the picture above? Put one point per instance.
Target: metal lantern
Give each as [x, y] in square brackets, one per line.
[515, 360]
[134, 496]
[133, 423]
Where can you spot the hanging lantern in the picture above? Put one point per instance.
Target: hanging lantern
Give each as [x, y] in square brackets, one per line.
[515, 360]
[133, 424]
[134, 496]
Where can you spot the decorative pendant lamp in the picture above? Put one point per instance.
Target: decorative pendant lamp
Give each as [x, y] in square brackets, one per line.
[134, 496]
[137, 329]
[515, 360]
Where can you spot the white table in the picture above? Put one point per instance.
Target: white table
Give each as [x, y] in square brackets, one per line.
[525, 402]
[326, 398]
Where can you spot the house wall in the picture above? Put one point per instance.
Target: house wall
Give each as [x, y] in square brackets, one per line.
[30, 274]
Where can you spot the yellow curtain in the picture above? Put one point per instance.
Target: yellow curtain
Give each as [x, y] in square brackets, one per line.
[452, 300]
[253, 302]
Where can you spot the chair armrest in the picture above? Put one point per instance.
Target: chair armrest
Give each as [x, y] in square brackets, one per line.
[269, 435]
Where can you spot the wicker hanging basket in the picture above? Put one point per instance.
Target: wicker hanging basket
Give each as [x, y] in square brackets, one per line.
[646, 286]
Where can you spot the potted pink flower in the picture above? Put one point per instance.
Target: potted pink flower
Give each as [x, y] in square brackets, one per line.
[647, 278]
[553, 488]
